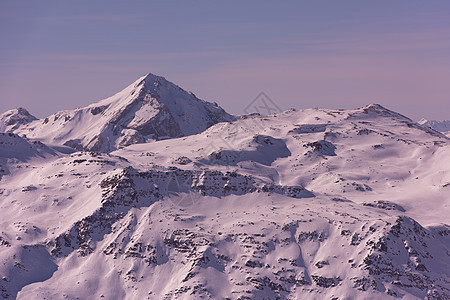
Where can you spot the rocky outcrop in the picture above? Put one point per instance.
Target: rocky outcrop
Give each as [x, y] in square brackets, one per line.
[131, 188]
[14, 118]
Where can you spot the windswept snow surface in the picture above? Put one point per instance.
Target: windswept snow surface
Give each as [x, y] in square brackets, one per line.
[149, 109]
[305, 204]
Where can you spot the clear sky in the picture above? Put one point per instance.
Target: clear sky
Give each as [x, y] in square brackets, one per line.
[57, 55]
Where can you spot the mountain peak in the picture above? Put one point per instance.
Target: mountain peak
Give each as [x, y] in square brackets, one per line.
[150, 77]
[378, 109]
[151, 108]
[14, 118]
[374, 106]
[151, 81]
[266, 196]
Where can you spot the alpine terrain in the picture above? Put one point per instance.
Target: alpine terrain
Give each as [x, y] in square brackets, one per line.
[151, 108]
[155, 194]
[441, 126]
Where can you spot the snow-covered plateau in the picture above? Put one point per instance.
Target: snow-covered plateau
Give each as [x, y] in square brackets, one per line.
[156, 194]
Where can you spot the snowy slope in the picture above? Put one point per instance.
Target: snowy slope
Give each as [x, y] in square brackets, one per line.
[441, 126]
[305, 204]
[149, 109]
[15, 150]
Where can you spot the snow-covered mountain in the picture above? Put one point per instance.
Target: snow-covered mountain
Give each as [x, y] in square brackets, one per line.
[14, 118]
[16, 149]
[441, 126]
[305, 204]
[151, 108]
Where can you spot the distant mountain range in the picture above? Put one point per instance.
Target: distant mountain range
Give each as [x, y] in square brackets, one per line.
[155, 194]
[441, 126]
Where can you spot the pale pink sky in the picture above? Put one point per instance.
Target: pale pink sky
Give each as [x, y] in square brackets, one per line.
[61, 55]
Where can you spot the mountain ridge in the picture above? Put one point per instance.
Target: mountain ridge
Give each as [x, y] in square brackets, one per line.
[441, 126]
[307, 203]
[14, 118]
[151, 108]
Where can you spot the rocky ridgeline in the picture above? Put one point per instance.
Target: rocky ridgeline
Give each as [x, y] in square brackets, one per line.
[389, 255]
[401, 255]
[151, 108]
[172, 233]
[385, 257]
[131, 188]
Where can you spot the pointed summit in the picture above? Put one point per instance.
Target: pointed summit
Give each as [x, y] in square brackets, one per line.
[152, 81]
[377, 109]
[151, 108]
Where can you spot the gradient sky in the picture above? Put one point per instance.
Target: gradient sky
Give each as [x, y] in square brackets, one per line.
[57, 55]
